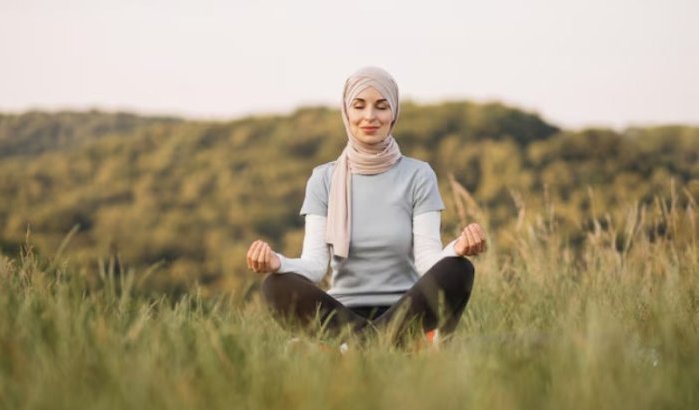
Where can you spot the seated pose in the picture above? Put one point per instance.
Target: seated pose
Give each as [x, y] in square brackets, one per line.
[374, 214]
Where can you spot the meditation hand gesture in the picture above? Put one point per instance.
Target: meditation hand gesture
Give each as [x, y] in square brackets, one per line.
[471, 242]
[261, 258]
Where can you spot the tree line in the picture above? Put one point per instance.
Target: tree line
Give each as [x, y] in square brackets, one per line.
[189, 196]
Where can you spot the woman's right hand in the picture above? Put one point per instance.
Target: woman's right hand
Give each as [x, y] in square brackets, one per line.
[261, 258]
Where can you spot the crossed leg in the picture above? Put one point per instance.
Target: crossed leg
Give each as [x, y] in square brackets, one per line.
[296, 300]
[437, 300]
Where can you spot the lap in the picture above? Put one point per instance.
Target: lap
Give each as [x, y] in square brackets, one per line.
[449, 281]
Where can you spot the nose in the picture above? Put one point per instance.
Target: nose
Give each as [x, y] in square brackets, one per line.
[369, 113]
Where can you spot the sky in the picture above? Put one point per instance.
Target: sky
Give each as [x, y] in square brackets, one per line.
[613, 63]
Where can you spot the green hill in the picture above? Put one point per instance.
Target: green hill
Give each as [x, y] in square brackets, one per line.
[192, 195]
[37, 132]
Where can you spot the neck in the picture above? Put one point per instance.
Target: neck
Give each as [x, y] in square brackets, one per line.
[375, 148]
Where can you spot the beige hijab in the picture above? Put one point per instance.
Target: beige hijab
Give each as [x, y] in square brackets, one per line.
[357, 157]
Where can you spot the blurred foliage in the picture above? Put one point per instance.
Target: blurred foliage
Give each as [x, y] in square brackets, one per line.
[190, 196]
[36, 132]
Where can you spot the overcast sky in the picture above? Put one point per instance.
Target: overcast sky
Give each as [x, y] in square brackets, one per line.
[577, 63]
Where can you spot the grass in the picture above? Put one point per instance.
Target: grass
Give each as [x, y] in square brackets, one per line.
[612, 324]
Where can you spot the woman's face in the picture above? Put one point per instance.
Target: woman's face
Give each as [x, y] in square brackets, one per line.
[370, 116]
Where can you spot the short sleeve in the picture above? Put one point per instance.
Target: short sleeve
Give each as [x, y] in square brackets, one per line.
[316, 199]
[426, 192]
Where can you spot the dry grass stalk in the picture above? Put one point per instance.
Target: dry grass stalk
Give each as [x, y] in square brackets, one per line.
[466, 206]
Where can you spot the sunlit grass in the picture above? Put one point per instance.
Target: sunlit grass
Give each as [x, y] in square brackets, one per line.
[612, 324]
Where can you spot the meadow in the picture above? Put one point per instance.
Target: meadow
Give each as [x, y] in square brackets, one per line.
[612, 322]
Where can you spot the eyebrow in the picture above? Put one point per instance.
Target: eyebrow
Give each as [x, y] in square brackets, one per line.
[362, 100]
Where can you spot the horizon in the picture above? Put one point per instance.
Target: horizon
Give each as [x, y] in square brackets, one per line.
[291, 111]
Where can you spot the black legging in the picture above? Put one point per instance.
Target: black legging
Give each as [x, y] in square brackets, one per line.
[437, 300]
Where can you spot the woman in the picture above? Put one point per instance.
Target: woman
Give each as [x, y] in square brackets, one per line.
[375, 215]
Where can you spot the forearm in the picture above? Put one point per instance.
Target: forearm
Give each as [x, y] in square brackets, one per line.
[315, 255]
[427, 242]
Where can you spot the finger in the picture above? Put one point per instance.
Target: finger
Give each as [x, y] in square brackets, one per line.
[265, 258]
[268, 259]
[459, 245]
[468, 239]
[256, 255]
[464, 243]
[477, 237]
[472, 241]
[481, 246]
[249, 254]
[262, 258]
[480, 230]
[480, 235]
[484, 236]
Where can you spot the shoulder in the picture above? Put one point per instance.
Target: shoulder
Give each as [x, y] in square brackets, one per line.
[323, 171]
[419, 168]
[414, 164]
[322, 174]
[317, 190]
[425, 187]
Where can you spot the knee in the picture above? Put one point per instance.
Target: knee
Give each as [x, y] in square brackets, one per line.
[461, 265]
[273, 285]
[461, 269]
[276, 287]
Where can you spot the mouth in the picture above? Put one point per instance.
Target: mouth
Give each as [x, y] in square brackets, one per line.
[369, 130]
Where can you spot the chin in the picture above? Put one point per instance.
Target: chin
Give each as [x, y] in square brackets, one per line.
[373, 139]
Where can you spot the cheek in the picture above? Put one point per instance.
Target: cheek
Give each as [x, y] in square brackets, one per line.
[354, 118]
[387, 118]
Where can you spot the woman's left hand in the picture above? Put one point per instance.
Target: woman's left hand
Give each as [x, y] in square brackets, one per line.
[471, 242]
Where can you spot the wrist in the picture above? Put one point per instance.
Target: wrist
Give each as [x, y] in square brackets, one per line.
[279, 260]
[458, 247]
[450, 249]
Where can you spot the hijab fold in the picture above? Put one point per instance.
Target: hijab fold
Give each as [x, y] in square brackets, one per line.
[358, 157]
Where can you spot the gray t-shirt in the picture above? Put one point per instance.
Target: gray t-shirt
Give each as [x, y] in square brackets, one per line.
[380, 265]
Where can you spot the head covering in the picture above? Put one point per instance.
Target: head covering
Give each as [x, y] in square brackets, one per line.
[358, 157]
